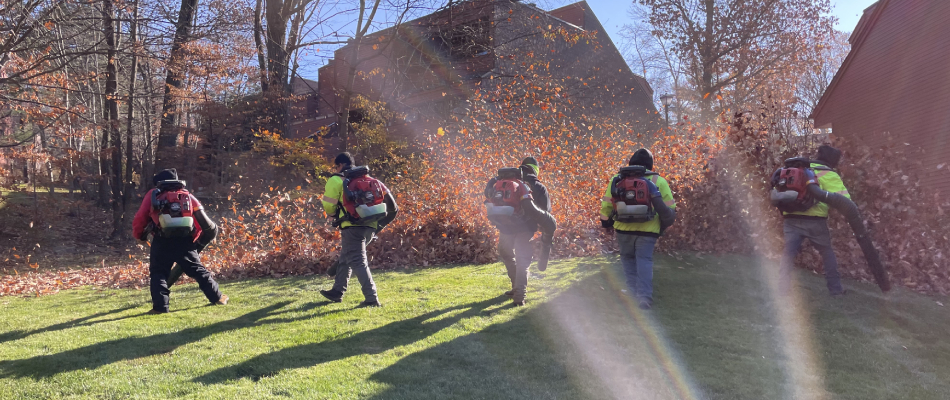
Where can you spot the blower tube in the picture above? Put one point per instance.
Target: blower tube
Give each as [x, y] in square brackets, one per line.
[850, 211]
[548, 225]
[667, 214]
[209, 231]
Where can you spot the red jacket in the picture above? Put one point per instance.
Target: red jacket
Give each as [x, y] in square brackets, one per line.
[148, 214]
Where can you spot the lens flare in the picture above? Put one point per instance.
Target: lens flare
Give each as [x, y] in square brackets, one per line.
[802, 365]
[646, 365]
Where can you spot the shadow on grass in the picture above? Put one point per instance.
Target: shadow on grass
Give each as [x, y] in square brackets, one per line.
[84, 321]
[583, 342]
[104, 353]
[509, 360]
[724, 320]
[375, 341]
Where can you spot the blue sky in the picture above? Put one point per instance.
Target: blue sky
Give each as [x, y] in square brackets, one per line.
[613, 14]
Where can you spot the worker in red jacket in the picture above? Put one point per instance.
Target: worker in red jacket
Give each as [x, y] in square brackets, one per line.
[180, 230]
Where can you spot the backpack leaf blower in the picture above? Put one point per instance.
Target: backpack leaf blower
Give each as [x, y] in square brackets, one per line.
[795, 188]
[209, 231]
[548, 225]
[851, 213]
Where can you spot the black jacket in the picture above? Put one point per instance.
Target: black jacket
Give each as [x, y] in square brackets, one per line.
[538, 192]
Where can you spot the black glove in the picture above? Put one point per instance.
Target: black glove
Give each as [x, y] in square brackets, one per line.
[607, 223]
[148, 229]
[174, 274]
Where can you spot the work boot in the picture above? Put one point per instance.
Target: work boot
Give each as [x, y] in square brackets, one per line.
[518, 297]
[370, 303]
[510, 293]
[645, 304]
[839, 294]
[332, 295]
[223, 301]
[154, 311]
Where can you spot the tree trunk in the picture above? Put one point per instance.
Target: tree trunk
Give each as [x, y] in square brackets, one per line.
[49, 163]
[129, 116]
[258, 41]
[362, 26]
[277, 45]
[277, 17]
[149, 135]
[111, 114]
[186, 139]
[347, 97]
[168, 132]
[707, 63]
[103, 146]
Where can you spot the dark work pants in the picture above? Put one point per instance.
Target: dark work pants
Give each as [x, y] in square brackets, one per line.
[353, 261]
[515, 251]
[164, 253]
[816, 231]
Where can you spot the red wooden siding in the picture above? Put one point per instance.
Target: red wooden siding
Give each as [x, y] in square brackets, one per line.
[571, 13]
[894, 87]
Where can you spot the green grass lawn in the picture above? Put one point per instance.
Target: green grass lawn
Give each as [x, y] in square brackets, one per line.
[447, 333]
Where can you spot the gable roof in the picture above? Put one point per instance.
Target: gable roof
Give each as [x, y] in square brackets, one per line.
[302, 86]
[857, 39]
[582, 15]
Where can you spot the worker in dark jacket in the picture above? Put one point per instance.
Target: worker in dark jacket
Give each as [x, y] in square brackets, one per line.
[813, 223]
[638, 239]
[530, 170]
[514, 239]
[175, 244]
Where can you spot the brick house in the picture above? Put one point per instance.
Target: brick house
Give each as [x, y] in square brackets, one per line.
[305, 119]
[427, 68]
[893, 89]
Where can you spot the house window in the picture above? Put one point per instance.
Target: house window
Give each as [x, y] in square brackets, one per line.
[356, 116]
[465, 40]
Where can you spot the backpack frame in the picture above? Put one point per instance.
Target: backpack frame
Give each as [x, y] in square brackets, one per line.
[175, 216]
[503, 203]
[790, 185]
[630, 195]
[364, 197]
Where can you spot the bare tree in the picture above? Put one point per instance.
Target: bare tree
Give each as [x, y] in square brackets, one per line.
[129, 164]
[814, 81]
[653, 57]
[282, 28]
[168, 132]
[732, 47]
[363, 24]
[28, 31]
[111, 143]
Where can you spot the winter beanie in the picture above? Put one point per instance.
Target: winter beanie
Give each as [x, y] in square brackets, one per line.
[829, 156]
[344, 158]
[532, 165]
[165, 175]
[642, 157]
